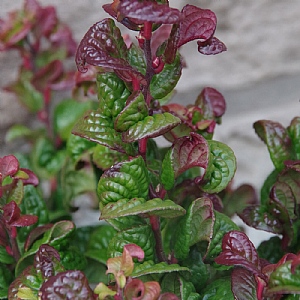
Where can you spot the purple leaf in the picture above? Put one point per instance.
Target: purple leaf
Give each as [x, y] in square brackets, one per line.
[189, 152]
[211, 47]
[34, 234]
[243, 284]
[45, 22]
[197, 23]
[149, 11]
[9, 166]
[32, 178]
[67, 285]
[238, 250]
[45, 260]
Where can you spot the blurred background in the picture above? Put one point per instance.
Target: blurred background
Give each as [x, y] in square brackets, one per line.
[259, 75]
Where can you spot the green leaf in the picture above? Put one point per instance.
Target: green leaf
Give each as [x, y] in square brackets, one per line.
[283, 280]
[294, 133]
[195, 226]
[222, 225]
[112, 94]
[150, 127]
[98, 243]
[164, 82]
[97, 127]
[104, 157]
[221, 169]
[136, 58]
[126, 180]
[66, 113]
[141, 236]
[276, 137]
[271, 250]
[6, 277]
[5, 258]
[17, 131]
[26, 93]
[139, 206]
[167, 176]
[149, 267]
[218, 289]
[136, 110]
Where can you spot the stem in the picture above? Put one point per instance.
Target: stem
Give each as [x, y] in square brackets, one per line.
[143, 147]
[155, 224]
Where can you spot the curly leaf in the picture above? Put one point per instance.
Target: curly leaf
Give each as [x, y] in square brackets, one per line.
[149, 11]
[112, 94]
[135, 110]
[211, 47]
[150, 127]
[98, 128]
[294, 133]
[221, 168]
[141, 236]
[238, 250]
[275, 136]
[163, 83]
[138, 206]
[197, 23]
[127, 180]
[196, 226]
[72, 283]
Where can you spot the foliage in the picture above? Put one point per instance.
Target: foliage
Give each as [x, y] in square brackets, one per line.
[166, 231]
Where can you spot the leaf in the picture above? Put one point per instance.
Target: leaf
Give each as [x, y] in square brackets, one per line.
[5, 258]
[294, 134]
[150, 127]
[163, 83]
[149, 11]
[222, 225]
[9, 166]
[149, 267]
[222, 166]
[167, 175]
[138, 206]
[135, 110]
[140, 235]
[17, 131]
[197, 23]
[112, 94]
[136, 58]
[243, 284]
[275, 136]
[65, 116]
[72, 283]
[211, 47]
[238, 250]
[98, 128]
[104, 157]
[218, 289]
[128, 179]
[195, 226]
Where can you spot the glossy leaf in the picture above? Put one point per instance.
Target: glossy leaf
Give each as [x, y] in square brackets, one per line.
[66, 114]
[136, 58]
[197, 23]
[112, 94]
[167, 175]
[238, 250]
[222, 225]
[164, 82]
[138, 206]
[149, 11]
[98, 128]
[127, 180]
[104, 157]
[9, 166]
[211, 47]
[72, 282]
[222, 166]
[135, 110]
[150, 127]
[275, 136]
[141, 236]
[196, 226]
[294, 133]
[218, 289]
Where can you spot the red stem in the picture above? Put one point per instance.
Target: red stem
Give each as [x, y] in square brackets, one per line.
[155, 224]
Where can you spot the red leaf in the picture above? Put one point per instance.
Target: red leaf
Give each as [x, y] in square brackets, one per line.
[238, 250]
[11, 212]
[135, 289]
[189, 152]
[32, 179]
[197, 23]
[149, 11]
[25, 220]
[9, 166]
[212, 47]
[45, 22]
[34, 234]
[135, 251]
